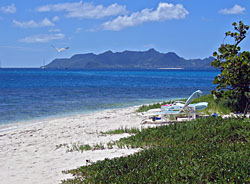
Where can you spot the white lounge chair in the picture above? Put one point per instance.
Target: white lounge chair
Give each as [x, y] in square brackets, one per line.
[179, 107]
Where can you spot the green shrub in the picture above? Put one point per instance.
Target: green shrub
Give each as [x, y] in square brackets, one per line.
[212, 150]
[233, 83]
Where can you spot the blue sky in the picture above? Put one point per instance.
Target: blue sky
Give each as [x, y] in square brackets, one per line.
[191, 28]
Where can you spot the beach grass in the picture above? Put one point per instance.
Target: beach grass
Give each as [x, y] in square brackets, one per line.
[206, 150]
[121, 131]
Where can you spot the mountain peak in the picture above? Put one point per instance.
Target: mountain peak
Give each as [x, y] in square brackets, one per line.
[150, 59]
[152, 50]
[108, 52]
[172, 54]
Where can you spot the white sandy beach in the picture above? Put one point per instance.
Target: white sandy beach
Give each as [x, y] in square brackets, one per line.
[30, 154]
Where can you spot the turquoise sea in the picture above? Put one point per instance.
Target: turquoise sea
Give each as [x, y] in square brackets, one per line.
[31, 94]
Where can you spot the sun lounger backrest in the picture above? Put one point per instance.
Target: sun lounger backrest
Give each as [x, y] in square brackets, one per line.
[195, 94]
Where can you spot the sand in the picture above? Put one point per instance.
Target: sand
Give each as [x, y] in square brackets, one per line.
[31, 154]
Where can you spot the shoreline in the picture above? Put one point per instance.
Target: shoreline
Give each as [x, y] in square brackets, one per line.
[32, 154]
[26, 123]
[170, 68]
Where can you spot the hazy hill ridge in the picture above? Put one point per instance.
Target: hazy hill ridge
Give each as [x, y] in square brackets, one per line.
[129, 59]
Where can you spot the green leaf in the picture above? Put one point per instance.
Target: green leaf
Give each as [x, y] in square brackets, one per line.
[228, 33]
[234, 24]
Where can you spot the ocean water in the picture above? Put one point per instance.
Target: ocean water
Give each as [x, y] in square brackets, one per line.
[30, 94]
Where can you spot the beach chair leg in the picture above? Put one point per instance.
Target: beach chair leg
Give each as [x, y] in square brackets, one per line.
[194, 116]
[193, 113]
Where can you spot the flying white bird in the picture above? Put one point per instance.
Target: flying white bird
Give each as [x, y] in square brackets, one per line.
[61, 49]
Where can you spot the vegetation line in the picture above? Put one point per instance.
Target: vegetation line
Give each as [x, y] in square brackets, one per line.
[210, 150]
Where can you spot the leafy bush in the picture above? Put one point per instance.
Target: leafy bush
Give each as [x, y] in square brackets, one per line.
[212, 150]
[234, 81]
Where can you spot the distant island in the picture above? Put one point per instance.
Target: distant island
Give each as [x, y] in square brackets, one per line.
[150, 59]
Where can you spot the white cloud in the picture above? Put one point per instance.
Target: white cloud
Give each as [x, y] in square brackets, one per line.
[8, 9]
[32, 24]
[237, 9]
[85, 10]
[164, 11]
[43, 38]
[56, 18]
